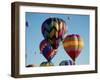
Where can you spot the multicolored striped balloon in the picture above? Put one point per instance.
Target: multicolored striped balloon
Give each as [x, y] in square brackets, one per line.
[66, 62]
[73, 45]
[53, 29]
[45, 64]
[47, 50]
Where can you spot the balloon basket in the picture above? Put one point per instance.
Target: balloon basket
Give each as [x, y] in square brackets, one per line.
[74, 63]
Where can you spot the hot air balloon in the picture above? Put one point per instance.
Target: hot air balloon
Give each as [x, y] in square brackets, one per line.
[47, 50]
[73, 45]
[46, 64]
[31, 65]
[53, 30]
[66, 62]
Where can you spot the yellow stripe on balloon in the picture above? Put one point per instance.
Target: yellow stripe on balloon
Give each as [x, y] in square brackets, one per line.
[61, 25]
[52, 33]
[56, 34]
[78, 44]
[57, 26]
[72, 38]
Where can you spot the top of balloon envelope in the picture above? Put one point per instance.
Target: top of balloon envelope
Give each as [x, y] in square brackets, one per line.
[54, 29]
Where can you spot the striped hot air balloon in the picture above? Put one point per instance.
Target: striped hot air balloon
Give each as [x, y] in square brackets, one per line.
[53, 29]
[47, 50]
[66, 62]
[45, 64]
[73, 45]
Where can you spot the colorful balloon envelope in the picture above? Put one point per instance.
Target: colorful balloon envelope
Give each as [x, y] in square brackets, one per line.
[47, 50]
[73, 45]
[66, 62]
[53, 29]
[45, 64]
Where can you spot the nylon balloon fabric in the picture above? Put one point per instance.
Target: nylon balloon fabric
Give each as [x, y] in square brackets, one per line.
[47, 50]
[53, 29]
[66, 62]
[73, 45]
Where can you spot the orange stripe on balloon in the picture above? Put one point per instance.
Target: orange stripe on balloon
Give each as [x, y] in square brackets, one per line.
[73, 44]
[69, 47]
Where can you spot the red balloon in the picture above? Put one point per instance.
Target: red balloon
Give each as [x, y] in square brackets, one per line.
[73, 45]
[47, 50]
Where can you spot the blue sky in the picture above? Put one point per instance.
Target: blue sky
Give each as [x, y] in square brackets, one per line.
[77, 24]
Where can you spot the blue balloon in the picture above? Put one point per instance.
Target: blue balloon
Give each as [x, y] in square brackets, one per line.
[47, 50]
[66, 62]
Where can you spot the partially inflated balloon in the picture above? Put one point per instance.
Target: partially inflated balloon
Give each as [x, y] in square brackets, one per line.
[47, 50]
[66, 62]
[73, 45]
[46, 64]
[31, 65]
[53, 29]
